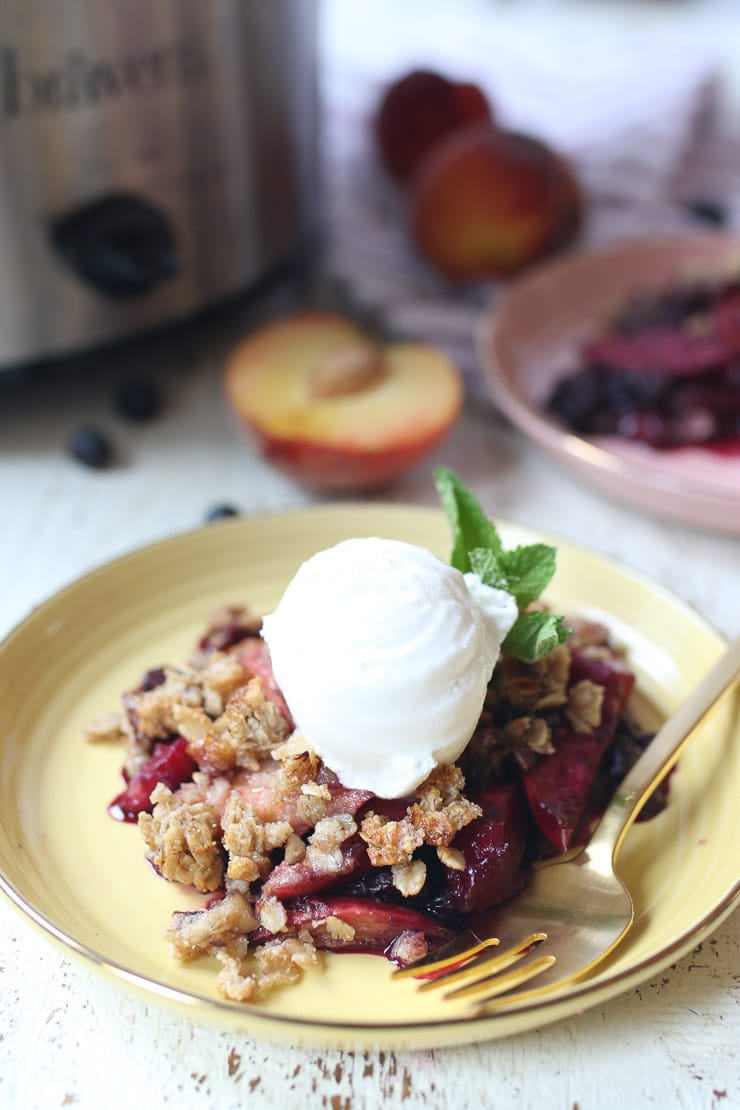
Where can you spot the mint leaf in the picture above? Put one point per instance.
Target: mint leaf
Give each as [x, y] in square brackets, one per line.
[534, 635]
[489, 567]
[468, 523]
[527, 570]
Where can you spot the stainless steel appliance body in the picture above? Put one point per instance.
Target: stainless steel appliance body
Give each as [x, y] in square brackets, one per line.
[155, 156]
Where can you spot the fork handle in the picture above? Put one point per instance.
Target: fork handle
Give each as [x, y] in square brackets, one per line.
[662, 753]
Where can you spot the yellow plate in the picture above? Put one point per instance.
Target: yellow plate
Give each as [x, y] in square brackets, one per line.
[83, 879]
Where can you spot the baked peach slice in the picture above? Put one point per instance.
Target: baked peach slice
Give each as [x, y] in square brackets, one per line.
[336, 409]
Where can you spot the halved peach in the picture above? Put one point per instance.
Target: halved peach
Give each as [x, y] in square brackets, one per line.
[336, 409]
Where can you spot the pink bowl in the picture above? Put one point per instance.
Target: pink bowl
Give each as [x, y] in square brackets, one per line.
[533, 335]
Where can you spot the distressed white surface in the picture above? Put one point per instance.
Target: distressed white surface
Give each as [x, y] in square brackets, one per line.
[68, 1037]
[72, 1039]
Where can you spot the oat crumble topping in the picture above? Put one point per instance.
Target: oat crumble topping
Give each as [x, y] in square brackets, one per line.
[271, 914]
[435, 819]
[311, 809]
[182, 838]
[528, 737]
[248, 729]
[324, 844]
[250, 841]
[585, 700]
[152, 714]
[409, 878]
[540, 685]
[107, 727]
[299, 767]
[295, 849]
[452, 858]
[442, 810]
[202, 931]
[273, 965]
[390, 842]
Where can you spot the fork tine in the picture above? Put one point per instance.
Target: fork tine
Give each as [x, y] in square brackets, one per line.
[493, 1004]
[491, 963]
[454, 953]
[493, 985]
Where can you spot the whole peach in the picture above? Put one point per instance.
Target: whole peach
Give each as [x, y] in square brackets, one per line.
[486, 203]
[420, 109]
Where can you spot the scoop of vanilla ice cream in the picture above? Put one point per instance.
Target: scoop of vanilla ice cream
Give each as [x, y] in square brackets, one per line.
[383, 653]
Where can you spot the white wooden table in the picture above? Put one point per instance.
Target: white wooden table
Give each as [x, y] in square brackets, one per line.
[67, 1037]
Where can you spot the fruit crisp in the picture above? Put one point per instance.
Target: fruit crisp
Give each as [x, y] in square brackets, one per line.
[230, 799]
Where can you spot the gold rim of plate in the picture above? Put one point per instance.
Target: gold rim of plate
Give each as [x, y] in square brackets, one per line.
[83, 880]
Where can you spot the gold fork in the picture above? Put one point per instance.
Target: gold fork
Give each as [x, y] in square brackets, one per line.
[574, 902]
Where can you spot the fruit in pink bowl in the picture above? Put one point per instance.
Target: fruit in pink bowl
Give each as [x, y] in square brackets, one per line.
[334, 408]
[420, 109]
[664, 372]
[486, 203]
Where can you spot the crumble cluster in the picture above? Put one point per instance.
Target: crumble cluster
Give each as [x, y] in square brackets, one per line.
[524, 699]
[435, 818]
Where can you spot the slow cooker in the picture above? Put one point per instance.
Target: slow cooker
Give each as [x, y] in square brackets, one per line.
[155, 156]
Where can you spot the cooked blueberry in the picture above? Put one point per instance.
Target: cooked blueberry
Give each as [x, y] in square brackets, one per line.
[91, 447]
[137, 399]
[575, 397]
[622, 391]
[221, 512]
[153, 678]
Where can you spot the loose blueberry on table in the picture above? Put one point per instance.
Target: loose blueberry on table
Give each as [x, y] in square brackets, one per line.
[221, 512]
[91, 447]
[137, 399]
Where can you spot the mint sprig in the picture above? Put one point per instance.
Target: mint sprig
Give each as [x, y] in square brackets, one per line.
[523, 571]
